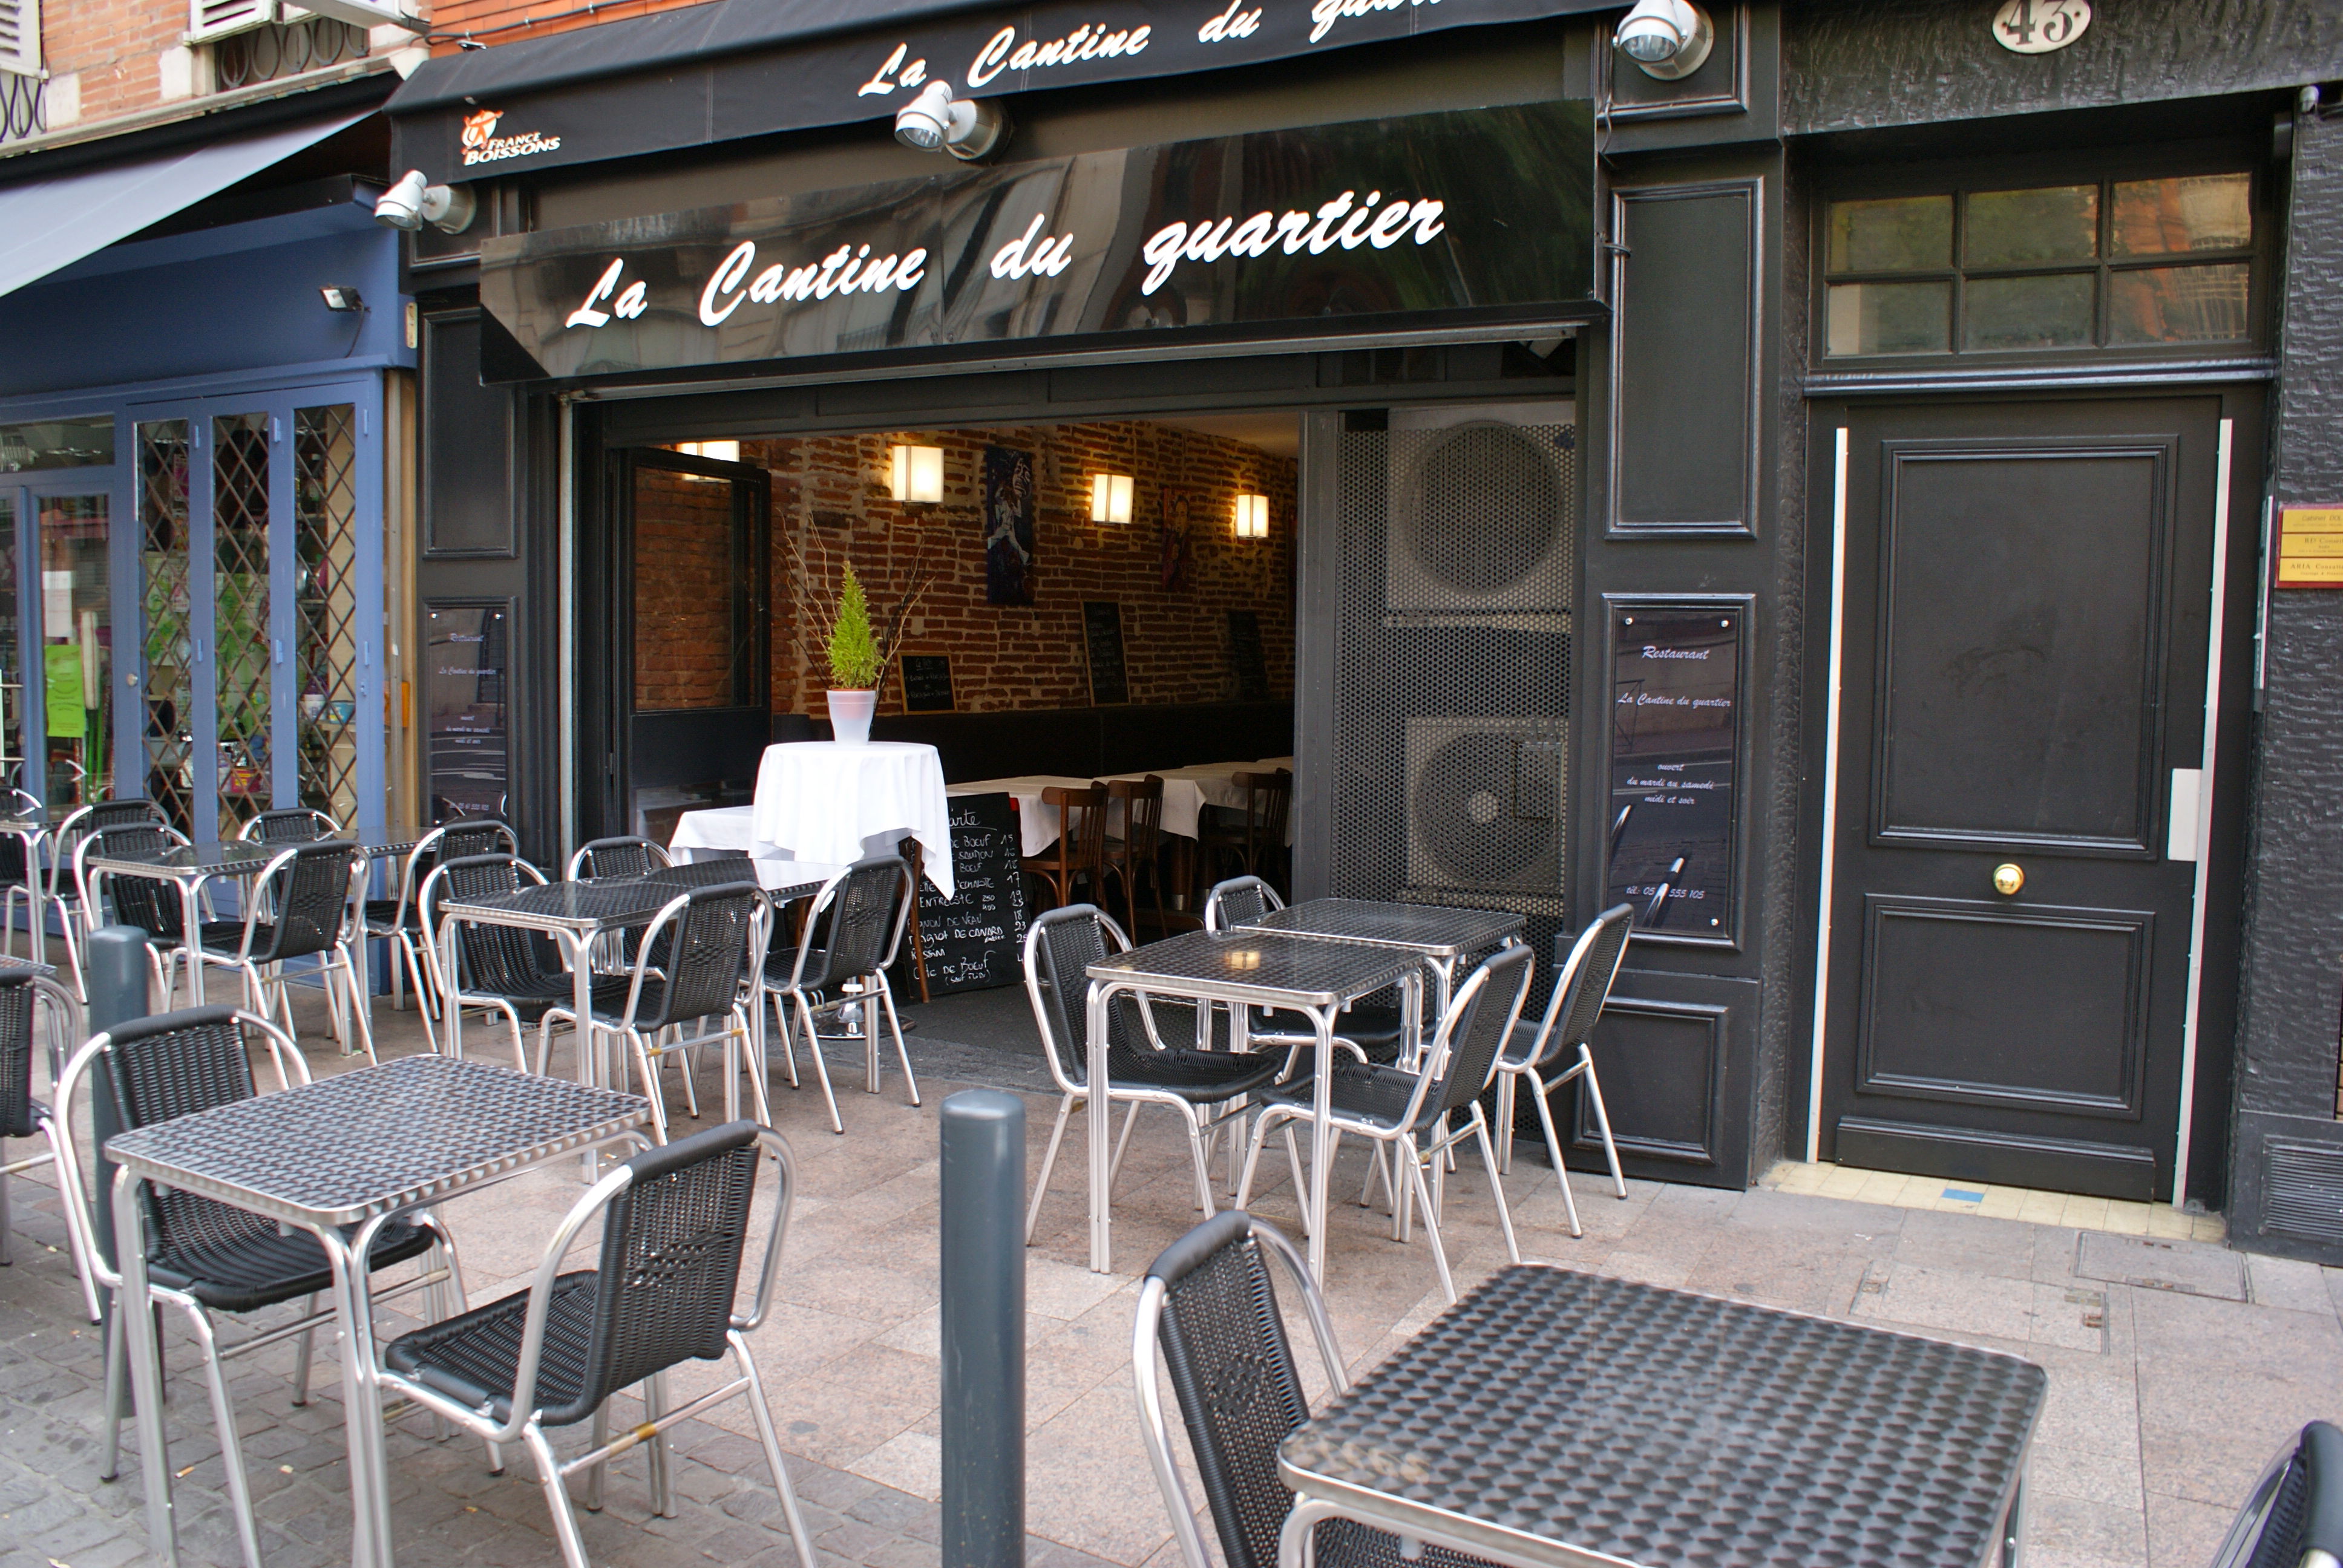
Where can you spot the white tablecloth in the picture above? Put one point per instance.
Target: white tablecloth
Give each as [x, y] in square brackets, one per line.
[1037, 819]
[725, 830]
[1187, 791]
[821, 800]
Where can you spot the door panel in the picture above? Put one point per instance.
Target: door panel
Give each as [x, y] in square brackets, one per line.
[2025, 616]
[169, 642]
[326, 673]
[73, 681]
[240, 635]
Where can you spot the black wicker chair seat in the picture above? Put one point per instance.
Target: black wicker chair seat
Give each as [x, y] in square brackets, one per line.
[243, 1272]
[21, 1115]
[1206, 1077]
[1367, 1091]
[226, 938]
[475, 1356]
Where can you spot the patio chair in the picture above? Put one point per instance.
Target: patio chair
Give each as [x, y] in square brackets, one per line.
[1240, 900]
[1127, 861]
[20, 876]
[295, 825]
[675, 1224]
[1250, 838]
[1578, 999]
[394, 919]
[206, 1258]
[1409, 1112]
[711, 941]
[301, 905]
[150, 903]
[72, 920]
[1080, 848]
[852, 933]
[1208, 1316]
[2293, 1517]
[498, 968]
[1207, 1087]
[22, 1116]
[620, 857]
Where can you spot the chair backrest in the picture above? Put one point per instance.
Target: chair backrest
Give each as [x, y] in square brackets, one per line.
[1267, 795]
[295, 825]
[2293, 1517]
[90, 819]
[150, 903]
[672, 1242]
[859, 919]
[714, 931]
[14, 865]
[474, 836]
[1142, 815]
[491, 958]
[1060, 947]
[620, 857]
[1479, 1021]
[309, 903]
[1231, 1364]
[1586, 981]
[17, 1057]
[1239, 901]
[1081, 824]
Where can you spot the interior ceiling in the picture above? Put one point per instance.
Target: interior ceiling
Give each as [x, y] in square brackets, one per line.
[1276, 431]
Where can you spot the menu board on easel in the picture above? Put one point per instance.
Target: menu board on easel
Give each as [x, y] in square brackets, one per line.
[974, 941]
[1102, 638]
[1675, 726]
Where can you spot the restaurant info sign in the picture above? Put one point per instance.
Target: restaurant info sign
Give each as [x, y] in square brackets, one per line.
[1478, 215]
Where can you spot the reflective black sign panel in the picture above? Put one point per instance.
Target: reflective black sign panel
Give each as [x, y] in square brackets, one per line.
[466, 728]
[1675, 704]
[1482, 215]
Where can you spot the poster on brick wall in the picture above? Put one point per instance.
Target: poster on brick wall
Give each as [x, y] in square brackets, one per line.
[1178, 535]
[1009, 507]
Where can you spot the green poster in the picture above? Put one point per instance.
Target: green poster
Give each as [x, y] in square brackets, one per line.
[68, 719]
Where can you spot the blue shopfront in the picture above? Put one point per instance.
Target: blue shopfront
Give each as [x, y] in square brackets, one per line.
[196, 458]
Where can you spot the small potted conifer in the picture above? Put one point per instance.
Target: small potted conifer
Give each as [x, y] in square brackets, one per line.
[856, 665]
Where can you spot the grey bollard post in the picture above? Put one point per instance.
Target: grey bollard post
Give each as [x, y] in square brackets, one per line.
[117, 973]
[983, 1330]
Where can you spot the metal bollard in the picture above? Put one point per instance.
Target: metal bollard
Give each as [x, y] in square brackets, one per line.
[983, 1330]
[117, 973]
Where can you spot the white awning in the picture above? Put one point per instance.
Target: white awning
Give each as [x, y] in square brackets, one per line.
[46, 224]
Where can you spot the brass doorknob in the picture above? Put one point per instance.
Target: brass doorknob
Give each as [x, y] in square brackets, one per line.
[2007, 878]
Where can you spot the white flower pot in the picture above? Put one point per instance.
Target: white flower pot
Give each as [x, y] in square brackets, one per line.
[849, 716]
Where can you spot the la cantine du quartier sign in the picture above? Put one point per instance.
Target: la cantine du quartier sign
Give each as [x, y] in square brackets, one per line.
[713, 76]
[1482, 213]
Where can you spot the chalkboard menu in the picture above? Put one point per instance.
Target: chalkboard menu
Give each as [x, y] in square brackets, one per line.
[1675, 704]
[466, 729]
[975, 940]
[1244, 652]
[1103, 632]
[927, 683]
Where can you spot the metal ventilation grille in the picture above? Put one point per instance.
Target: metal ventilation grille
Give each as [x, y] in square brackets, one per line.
[1459, 545]
[2306, 1190]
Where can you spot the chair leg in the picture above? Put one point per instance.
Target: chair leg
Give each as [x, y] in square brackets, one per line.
[820, 1066]
[662, 1482]
[902, 1051]
[1553, 1152]
[646, 1073]
[303, 1347]
[1506, 1086]
[110, 1462]
[1602, 1122]
[1203, 1160]
[7, 1254]
[744, 1041]
[601, 1434]
[240, 1489]
[1496, 1183]
[1130, 1120]
[357, 1008]
[771, 1440]
[557, 1497]
[1252, 1158]
[1430, 1225]
[1048, 1159]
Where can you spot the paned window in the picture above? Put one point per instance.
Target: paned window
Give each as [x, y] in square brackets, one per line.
[2113, 264]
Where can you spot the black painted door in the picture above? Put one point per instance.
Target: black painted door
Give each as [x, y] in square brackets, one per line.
[2025, 604]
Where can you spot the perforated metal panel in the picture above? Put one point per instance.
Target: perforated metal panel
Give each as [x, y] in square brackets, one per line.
[1458, 534]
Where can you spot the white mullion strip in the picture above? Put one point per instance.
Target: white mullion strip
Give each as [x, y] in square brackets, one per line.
[1830, 799]
[2203, 817]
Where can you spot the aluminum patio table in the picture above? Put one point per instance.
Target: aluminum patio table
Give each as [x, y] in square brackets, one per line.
[1552, 1419]
[189, 868]
[1440, 935]
[358, 1150]
[1242, 968]
[29, 828]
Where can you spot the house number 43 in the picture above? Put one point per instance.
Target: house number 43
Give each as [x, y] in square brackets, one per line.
[2040, 27]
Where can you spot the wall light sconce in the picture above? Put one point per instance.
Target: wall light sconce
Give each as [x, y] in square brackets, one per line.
[1253, 517]
[1110, 498]
[1666, 39]
[718, 451]
[338, 297]
[917, 474]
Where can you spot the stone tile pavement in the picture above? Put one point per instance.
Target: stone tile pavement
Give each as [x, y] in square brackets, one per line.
[2176, 1367]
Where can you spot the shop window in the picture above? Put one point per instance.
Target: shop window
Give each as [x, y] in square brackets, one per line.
[325, 518]
[2111, 264]
[58, 444]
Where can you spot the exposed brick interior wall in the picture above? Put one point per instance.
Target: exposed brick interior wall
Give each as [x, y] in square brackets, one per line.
[831, 504]
[683, 592]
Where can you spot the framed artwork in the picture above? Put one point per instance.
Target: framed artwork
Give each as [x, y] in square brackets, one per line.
[1008, 507]
[1177, 522]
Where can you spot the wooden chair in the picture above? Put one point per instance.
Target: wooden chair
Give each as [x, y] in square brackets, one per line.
[1254, 844]
[1129, 858]
[1081, 841]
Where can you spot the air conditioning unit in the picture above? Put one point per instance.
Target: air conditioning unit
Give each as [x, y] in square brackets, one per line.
[1483, 509]
[1486, 805]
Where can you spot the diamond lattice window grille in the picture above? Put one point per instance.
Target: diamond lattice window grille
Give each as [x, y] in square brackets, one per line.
[326, 518]
[164, 612]
[240, 615]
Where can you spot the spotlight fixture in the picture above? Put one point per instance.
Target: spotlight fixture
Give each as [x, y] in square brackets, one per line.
[1665, 38]
[338, 298]
[1253, 517]
[967, 128]
[1110, 498]
[413, 202]
[917, 474]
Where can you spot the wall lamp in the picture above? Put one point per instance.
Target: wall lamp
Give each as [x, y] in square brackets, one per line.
[1110, 498]
[340, 299]
[967, 128]
[916, 474]
[1253, 517]
[413, 202]
[1665, 38]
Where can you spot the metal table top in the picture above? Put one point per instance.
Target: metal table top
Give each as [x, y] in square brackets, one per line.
[1434, 930]
[228, 858]
[1551, 1411]
[583, 908]
[1270, 967]
[376, 1139]
[782, 887]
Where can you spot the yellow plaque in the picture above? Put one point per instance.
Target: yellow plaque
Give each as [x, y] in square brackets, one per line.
[2309, 547]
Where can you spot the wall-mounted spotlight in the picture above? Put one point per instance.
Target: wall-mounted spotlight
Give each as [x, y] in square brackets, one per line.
[967, 128]
[1110, 498]
[413, 202]
[338, 298]
[1253, 517]
[916, 474]
[1665, 38]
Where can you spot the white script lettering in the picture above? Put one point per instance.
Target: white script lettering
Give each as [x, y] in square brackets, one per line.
[1337, 223]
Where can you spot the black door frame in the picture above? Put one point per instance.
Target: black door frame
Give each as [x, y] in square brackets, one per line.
[2205, 1097]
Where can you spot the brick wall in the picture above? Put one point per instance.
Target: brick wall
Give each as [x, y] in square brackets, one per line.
[830, 503]
[683, 592]
[105, 56]
[509, 21]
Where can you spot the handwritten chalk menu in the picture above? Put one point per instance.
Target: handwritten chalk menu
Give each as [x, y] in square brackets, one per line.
[1244, 652]
[1102, 633]
[975, 940]
[927, 683]
[1675, 701]
[466, 734]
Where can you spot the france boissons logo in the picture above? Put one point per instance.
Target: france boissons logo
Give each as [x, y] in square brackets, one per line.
[482, 145]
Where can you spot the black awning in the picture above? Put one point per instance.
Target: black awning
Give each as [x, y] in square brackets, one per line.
[733, 68]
